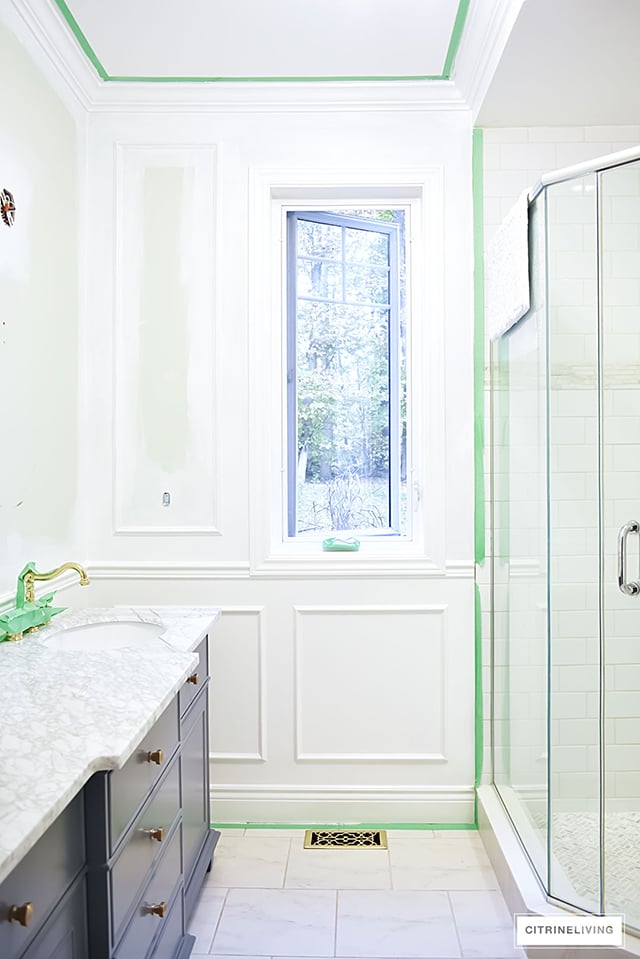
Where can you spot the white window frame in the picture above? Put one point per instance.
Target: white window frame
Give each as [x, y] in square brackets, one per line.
[273, 192]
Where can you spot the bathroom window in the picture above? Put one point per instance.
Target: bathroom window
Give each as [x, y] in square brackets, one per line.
[346, 372]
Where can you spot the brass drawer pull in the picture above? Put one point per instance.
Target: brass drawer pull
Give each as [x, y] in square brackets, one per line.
[195, 679]
[155, 756]
[157, 834]
[158, 910]
[22, 914]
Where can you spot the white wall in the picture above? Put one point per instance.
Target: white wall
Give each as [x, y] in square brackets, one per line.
[39, 267]
[341, 691]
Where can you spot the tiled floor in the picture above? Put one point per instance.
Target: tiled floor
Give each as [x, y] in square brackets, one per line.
[432, 895]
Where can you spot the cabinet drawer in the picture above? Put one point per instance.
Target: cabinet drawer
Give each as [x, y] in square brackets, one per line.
[128, 787]
[42, 877]
[145, 925]
[141, 850]
[64, 935]
[172, 932]
[198, 677]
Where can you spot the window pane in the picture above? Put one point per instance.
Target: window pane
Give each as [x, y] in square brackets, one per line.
[343, 417]
[346, 394]
[371, 248]
[366, 284]
[316, 278]
[319, 239]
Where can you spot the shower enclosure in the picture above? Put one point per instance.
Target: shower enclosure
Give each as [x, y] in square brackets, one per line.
[565, 478]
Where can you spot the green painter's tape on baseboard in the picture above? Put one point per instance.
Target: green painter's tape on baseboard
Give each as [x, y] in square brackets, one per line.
[347, 825]
[478, 347]
[456, 36]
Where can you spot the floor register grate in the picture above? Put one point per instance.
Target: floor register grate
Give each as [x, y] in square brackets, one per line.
[345, 839]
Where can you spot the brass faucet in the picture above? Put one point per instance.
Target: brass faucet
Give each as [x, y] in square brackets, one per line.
[30, 576]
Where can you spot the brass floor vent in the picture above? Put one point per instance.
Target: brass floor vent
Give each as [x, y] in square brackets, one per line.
[345, 839]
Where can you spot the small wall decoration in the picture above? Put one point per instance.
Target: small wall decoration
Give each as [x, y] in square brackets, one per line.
[7, 207]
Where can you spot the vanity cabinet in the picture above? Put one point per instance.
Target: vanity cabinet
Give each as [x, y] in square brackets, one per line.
[150, 842]
[117, 875]
[42, 902]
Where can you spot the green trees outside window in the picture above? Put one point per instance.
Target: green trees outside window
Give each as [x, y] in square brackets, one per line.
[346, 381]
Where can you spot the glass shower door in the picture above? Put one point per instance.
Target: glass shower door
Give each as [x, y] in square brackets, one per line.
[620, 449]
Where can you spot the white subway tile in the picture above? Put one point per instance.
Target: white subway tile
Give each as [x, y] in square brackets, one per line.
[538, 157]
[570, 153]
[623, 703]
[623, 757]
[556, 134]
[626, 784]
[625, 731]
[505, 135]
[630, 133]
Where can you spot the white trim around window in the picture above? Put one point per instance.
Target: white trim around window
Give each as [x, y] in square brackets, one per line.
[272, 193]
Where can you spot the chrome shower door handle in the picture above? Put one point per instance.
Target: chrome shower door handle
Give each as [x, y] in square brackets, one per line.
[629, 588]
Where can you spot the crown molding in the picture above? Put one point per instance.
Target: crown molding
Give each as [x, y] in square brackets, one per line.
[277, 97]
[487, 31]
[41, 27]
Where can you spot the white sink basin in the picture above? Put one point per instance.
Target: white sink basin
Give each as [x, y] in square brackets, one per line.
[93, 637]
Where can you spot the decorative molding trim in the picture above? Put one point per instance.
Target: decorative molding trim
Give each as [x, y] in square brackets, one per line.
[58, 48]
[167, 571]
[298, 570]
[487, 31]
[373, 757]
[42, 29]
[353, 96]
[460, 569]
[260, 756]
[131, 161]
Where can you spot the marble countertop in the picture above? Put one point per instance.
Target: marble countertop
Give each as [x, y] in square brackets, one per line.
[64, 714]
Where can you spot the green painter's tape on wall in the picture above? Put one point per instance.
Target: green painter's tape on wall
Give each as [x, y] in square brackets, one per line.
[478, 346]
[479, 729]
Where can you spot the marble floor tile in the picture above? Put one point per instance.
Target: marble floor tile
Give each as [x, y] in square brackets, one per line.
[249, 861]
[278, 833]
[485, 925]
[276, 922]
[397, 925]
[443, 864]
[338, 869]
[205, 917]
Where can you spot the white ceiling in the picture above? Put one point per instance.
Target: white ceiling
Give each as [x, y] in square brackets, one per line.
[279, 38]
[568, 62]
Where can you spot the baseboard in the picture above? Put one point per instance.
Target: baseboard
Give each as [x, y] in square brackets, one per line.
[332, 804]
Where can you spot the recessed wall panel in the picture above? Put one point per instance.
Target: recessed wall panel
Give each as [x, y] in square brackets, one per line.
[237, 696]
[163, 376]
[370, 683]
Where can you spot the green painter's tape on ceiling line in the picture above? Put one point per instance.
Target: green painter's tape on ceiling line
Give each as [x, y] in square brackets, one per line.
[454, 43]
[456, 37]
[82, 40]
